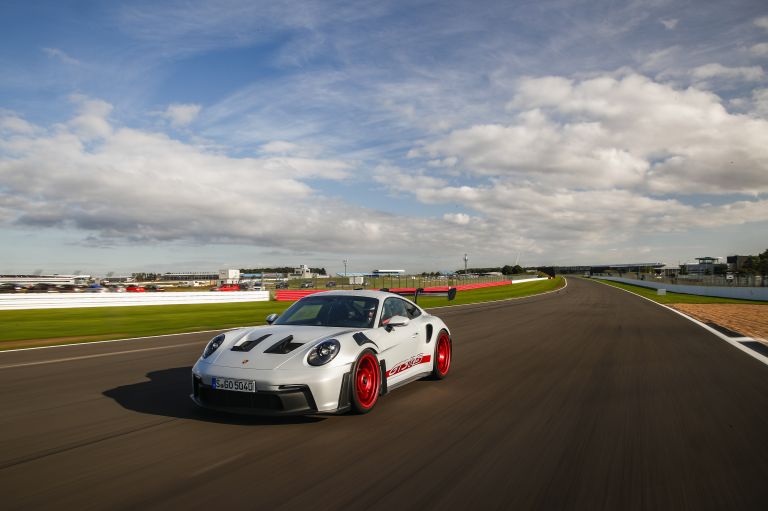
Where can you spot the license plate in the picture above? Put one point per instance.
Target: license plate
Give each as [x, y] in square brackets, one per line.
[236, 385]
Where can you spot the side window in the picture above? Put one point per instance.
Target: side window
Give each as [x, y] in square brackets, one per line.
[393, 307]
[413, 311]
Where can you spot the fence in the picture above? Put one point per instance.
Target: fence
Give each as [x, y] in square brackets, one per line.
[741, 293]
[395, 281]
[75, 300]
[695, 280]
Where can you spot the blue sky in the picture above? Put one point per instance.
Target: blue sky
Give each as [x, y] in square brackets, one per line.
[199, 134]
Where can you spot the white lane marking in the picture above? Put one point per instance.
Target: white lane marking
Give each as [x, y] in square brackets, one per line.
[88, 343]
[733, 341]
[216, 465]
[503, 299]
[98, 355]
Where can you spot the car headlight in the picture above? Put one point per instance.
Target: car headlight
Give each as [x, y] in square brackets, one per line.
[323, 352]
[213, 345]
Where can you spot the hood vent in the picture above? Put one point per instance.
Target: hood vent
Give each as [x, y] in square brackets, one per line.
[248, 345]
[283, 346]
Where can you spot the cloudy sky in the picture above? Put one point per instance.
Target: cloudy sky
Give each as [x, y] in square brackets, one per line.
[198, 134]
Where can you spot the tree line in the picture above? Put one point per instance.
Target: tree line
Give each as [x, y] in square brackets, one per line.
[506, 270]
[756, 264]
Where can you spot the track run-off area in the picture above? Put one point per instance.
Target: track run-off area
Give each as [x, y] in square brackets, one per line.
[584, 398]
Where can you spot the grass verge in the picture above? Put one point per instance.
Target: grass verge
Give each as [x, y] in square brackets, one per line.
[40, 327]
[495, 293]
[674, 297]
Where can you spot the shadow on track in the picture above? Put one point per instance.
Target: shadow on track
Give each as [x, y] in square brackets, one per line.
[167, 394]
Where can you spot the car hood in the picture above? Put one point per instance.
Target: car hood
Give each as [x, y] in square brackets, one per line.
[249, 348]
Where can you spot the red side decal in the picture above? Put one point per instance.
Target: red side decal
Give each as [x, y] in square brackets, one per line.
[407, 364]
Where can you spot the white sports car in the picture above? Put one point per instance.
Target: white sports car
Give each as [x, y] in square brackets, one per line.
[330, 352]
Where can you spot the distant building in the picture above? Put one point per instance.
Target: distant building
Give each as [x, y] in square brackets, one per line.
[190, 276]
[305, 272]
[602, 268]
[736, 262]
[28, 280]
[229, 276]
[114, 279]
[302, 272]
[704, 266]
[382, 273]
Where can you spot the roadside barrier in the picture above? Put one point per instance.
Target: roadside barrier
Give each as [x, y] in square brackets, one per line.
[742, 293]
[75, 300]
[290, 295]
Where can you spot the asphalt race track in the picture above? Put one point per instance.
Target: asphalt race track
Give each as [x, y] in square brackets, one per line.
[589, 398]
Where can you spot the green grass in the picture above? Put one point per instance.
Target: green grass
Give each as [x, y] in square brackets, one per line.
[26, 328]
[674, 297]
[100, 323]
[494, 293]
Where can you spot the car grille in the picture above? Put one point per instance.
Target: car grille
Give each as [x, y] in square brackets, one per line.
[254, 400]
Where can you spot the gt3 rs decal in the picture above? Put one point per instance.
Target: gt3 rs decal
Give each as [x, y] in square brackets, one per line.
[415, 360]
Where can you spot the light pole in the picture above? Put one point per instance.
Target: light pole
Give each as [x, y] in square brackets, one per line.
[345, 270]
[466, 258]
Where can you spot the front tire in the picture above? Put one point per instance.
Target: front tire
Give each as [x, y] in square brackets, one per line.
[366, 382]
[443, 355]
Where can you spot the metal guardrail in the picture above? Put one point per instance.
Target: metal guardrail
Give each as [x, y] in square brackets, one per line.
[695, 280]
[75, 300]
[741, 293]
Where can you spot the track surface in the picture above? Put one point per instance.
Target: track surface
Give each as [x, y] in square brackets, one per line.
[589, 398]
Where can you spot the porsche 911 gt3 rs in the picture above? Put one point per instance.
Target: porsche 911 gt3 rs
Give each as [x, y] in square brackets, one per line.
[330, 352]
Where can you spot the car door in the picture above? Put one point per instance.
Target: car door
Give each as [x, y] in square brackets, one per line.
[405, 357]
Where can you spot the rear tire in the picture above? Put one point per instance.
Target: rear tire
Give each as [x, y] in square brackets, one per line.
[443, 355]
[366, 382]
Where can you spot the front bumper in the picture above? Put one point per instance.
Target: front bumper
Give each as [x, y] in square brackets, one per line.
[278, 392]
[298, 401]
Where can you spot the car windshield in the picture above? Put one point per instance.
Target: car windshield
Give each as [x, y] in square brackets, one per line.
[343, 311]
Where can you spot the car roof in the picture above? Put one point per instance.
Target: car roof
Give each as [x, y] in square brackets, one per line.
[361, 292]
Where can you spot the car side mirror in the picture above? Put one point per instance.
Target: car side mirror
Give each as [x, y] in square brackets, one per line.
[271, 318]
[398, 321]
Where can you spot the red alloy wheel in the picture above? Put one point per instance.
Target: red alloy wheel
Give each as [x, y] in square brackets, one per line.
[443, 353]
[367, 381]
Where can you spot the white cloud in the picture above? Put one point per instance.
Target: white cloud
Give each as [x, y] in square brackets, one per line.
[669, 24]
[546, 90]
[396, 179]
[714, 70]
[457, 218]
[446, 162]
[607, 132]
[760, 50]
[760, 102]
[120, 184]
[279, 147]
[542, 219]
[13, 124]
[658, 59]
[181, 115]
[762, 22]
[92, 122]
[56, 53]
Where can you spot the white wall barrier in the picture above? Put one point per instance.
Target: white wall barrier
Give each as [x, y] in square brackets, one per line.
[741, 293]
[74, 300]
